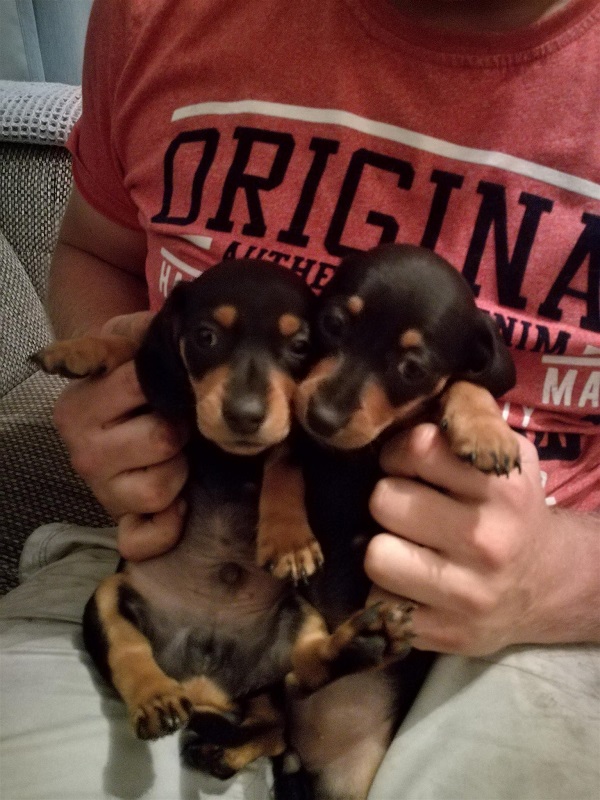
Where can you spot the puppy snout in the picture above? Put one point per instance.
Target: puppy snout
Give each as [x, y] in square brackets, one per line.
[245, 414]
[324, 419]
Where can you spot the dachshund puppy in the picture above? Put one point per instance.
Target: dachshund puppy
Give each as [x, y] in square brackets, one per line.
[400, 340]
[203, 636]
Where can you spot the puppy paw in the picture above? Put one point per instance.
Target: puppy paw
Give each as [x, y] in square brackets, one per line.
[222, 746]
[161, 713]
[374, 633]
[206, 757]
[370, 638]
[289, 552]
[85, 356]
[396, 619]
[485, 440]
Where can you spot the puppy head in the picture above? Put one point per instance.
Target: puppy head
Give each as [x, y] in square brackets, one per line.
[395, 325]
[227, 349]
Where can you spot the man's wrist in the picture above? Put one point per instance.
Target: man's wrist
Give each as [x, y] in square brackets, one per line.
[567, 611]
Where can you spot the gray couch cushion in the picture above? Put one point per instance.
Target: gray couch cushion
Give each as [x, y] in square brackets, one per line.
[36, 182]
[23, 324]
[37, 484]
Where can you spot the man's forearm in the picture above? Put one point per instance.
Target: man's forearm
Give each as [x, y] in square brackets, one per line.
[85, 291]
[571, 611]
[97, 270]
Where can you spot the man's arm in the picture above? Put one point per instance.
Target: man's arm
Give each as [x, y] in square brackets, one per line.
[97, 271]
[488, 563]
[132, 461]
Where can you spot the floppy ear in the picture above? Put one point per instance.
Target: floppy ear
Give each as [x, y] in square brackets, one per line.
[489, 361]
[160, 369]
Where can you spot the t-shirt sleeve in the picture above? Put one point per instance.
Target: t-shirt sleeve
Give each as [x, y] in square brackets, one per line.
[97, 169]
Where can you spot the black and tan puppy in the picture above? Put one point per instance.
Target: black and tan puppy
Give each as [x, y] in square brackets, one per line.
[400, 341]
[201, 635]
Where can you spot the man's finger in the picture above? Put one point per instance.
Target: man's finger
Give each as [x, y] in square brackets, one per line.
[82, 401]
[134, 326]
[424, 453]
[415, 572]
[420, 513]
[141, 537]
[147, 491]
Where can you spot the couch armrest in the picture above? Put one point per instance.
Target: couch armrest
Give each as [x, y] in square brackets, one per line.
[38, 113]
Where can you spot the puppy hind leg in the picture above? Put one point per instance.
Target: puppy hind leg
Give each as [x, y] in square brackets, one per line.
[157, 704]
[371, 637]
[351, 777]
[221, 746]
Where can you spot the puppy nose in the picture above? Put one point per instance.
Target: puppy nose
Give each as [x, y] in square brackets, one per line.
[324, 419]
[244, 414]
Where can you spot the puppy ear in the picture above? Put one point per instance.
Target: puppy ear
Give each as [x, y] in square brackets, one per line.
[159, 365]
[489, 362]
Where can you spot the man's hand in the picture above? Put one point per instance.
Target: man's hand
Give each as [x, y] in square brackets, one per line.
[487, 562]
[131, 458]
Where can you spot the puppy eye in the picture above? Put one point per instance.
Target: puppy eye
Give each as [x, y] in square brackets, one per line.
[410, 369]
[206, 336]
[334, 322]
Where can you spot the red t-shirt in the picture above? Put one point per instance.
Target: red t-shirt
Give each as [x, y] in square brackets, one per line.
[300, 131]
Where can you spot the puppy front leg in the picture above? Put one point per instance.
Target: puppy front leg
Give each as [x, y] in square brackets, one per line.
[476, 429]
[285, 541]
[85, 356]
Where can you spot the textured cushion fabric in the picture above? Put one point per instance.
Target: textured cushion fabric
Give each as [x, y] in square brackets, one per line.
[23, 324]
[35, 122]
[37, 484]
[38, 113]
[36, 182]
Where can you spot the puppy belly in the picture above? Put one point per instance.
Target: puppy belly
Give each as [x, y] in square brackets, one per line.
[209, 612]
[212, 572]
[226, 592]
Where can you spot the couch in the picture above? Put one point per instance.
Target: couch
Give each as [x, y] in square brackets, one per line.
[37, 484]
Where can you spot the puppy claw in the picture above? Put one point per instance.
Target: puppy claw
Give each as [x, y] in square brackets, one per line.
[297, 564]
[391, 621]
[161, 714]
[487, 452]
[518, 464]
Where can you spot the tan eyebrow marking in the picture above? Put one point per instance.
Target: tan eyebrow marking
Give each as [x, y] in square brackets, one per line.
[355, 304]
[225, 315]
[411, 338]
[289, 324]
